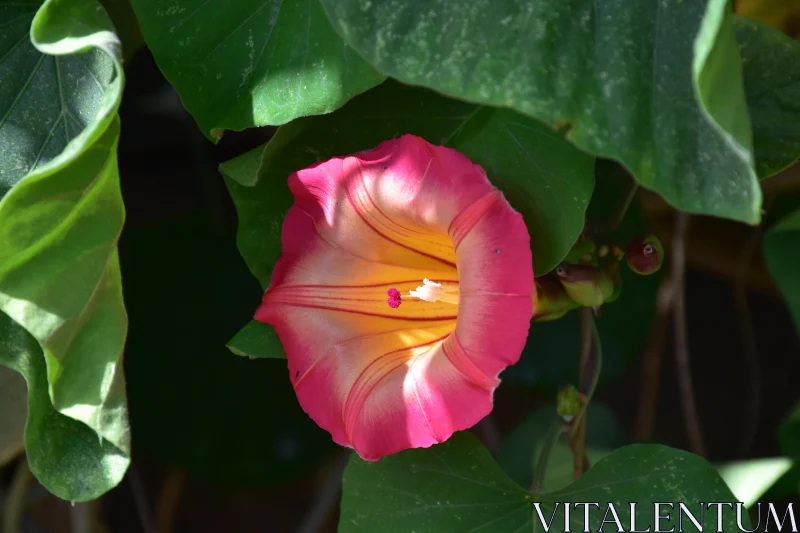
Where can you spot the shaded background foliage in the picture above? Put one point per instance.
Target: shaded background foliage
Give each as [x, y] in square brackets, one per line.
[220, 443]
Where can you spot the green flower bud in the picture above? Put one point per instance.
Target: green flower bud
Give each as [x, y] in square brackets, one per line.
[568, 403]
[583, 284]
[551, 299]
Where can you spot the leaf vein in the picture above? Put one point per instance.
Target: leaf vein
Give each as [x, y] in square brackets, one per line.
[22, 91]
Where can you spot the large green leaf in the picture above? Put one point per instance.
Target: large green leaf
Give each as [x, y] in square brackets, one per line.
[453, 486]
[252, 62]
[457, 486]
[65, 455]
[782, 255]
[771, 67]
[655, 85]
[59, 225]
[543, 176]
[650, 473]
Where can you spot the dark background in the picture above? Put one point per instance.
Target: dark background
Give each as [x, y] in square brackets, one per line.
[219, 442]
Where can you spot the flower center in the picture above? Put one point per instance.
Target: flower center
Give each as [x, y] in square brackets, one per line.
[430, 291]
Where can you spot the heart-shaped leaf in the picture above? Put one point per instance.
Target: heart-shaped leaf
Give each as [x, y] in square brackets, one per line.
[457, 486]
[252, 62]
[655, 85]
[60, 219]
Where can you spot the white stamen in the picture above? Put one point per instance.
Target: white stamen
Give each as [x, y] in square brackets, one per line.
[430, 291]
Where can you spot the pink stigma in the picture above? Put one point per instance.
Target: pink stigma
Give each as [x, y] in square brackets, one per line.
[394, 298]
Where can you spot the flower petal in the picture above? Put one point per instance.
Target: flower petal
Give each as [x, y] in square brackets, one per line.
[496, 284]
[419, 404]
[398, 198]
[383, 379]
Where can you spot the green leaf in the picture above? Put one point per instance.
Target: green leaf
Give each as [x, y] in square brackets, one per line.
[66, 456]
[449, 487]
[655, 85]
[457, 486]
[257, 339]
[520, 451]
[252, 62]
[544, 177]
[787, 485]
[781, 244]
[650, 473]
[771, 67]
[193, 404]
[750, 480]
[59, 226]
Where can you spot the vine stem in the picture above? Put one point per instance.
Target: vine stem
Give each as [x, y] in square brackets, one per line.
[591, 364]
[550, 439]
[688, 403]
[653, 353]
